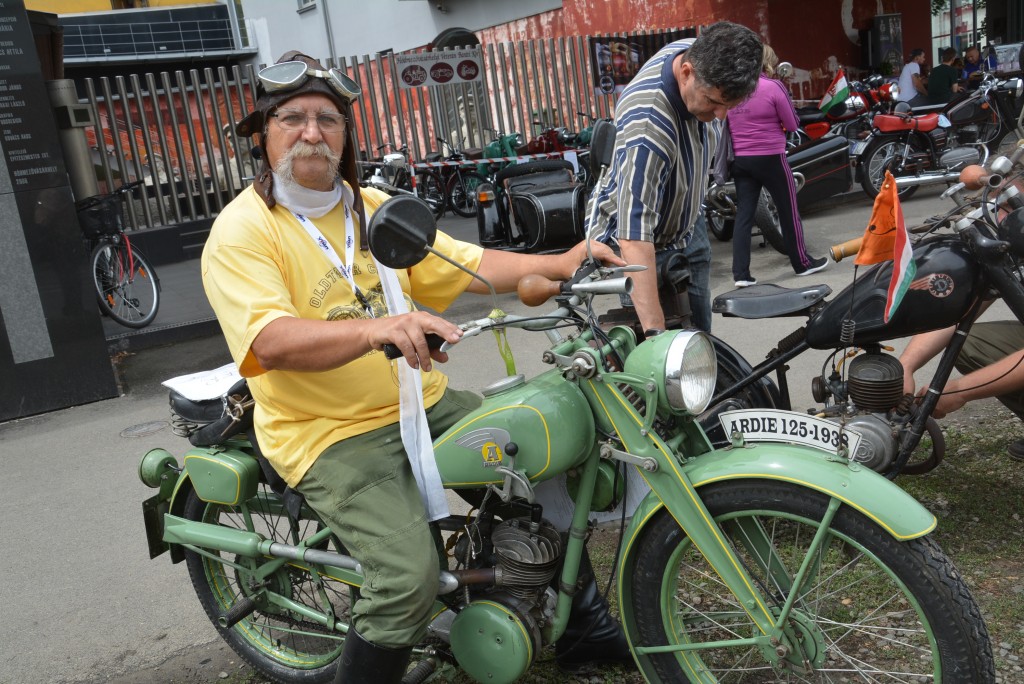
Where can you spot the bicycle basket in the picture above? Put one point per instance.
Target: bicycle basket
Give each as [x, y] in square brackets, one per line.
[100, 215]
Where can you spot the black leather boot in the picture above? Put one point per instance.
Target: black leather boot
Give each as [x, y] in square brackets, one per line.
[593, 637]
[364, 663]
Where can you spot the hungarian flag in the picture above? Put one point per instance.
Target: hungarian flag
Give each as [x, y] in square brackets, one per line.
[886, 238]
[836, 93]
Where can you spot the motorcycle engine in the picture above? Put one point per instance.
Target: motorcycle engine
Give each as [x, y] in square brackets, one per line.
[959, 157]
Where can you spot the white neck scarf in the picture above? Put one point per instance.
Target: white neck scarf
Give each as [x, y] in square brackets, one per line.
[302, 200]
[412, 416]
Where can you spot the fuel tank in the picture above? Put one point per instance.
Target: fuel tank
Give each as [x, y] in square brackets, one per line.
[548, 419]
[947, 282]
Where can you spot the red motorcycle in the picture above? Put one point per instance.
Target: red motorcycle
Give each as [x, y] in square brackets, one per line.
[852, 117]
[933, 148]
[552, 139]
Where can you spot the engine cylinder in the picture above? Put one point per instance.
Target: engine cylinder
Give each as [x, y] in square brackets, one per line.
[875, 382]
[528, 555]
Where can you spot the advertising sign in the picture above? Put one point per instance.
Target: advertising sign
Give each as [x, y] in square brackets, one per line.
[443, 67]
[616, 60]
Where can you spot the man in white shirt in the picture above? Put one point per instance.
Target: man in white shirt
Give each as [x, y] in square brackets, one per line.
[913, 88]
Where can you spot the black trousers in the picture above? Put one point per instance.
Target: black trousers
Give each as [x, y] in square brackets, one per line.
[770, 171]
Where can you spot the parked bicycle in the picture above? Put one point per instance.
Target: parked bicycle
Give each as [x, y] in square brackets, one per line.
[460, 182]
[127, 287]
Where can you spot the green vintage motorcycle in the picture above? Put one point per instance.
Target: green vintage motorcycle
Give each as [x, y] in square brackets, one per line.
[758, 562]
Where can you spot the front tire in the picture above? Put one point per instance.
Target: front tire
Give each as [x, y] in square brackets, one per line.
[283, 645]
[887, 154]
[872, 608]
[431, 189]
[461, 190]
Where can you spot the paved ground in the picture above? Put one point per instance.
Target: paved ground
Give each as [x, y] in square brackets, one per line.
[80, 600]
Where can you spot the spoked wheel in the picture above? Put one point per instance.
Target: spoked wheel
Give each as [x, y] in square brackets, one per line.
[430, 188]
[462, 192]
[891, 155]
[126, 285]
[766, 218]
[281, 643]
[871, 609]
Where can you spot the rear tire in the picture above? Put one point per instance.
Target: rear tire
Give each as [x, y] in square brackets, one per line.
[766, 218]
[283, 646]
[720, 226]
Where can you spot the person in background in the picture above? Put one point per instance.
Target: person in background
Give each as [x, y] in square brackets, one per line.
[913, 89]
[975, 68]
[944, 79]
[758, 127]
[650, 199]
[992, 364]
[306, 310]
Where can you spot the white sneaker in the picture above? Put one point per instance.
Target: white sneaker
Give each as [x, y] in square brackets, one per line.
[746, 282]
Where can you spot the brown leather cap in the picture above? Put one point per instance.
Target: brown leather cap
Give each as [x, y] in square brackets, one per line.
[266, 102]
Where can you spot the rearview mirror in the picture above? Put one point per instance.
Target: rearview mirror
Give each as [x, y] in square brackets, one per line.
[602, 145]
[401, 231]
[784, 70]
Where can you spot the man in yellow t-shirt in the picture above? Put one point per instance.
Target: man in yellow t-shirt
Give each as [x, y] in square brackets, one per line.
[305, 315]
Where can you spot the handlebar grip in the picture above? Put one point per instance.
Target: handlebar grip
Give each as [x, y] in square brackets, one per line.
[534, 290]
[392, 352]
[848, 248]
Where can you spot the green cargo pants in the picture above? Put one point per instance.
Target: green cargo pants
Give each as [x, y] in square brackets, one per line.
[987, 343]
[364, 489]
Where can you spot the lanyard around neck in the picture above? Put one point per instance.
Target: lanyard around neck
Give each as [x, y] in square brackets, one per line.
[350, 250]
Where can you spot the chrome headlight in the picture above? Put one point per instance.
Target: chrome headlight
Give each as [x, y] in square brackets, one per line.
[682, 364]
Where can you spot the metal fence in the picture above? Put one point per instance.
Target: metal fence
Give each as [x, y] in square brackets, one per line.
[175, 130]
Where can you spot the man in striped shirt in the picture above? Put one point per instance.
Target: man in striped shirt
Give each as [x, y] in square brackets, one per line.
[650, 198]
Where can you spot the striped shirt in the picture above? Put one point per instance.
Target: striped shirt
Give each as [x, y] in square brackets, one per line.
[656, 182]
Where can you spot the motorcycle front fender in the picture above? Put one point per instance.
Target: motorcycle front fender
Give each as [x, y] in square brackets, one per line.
[881, 501]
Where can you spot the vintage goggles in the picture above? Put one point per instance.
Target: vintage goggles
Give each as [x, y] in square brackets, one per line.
[279, 78]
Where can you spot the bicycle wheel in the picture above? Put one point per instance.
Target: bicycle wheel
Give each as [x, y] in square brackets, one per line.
[430, 188]
[462, 192]
[127, 286]
[284, 645]
[871, 608]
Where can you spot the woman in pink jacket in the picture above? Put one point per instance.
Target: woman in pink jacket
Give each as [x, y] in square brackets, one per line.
[758, 128]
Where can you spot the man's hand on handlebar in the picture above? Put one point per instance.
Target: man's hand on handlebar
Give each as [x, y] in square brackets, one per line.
[416, 336]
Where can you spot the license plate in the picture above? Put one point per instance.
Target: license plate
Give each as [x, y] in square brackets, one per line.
[773, 425]
[857, 146]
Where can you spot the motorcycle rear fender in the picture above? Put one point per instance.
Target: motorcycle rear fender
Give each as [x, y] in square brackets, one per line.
[877, 498]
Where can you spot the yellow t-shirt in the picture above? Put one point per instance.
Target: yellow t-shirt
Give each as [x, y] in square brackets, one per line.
[259, 265]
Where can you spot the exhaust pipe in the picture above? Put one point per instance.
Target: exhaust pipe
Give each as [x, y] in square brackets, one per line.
[927, 179]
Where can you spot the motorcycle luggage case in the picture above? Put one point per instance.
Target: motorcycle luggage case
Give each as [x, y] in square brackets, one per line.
[825, 165]
[548, 210]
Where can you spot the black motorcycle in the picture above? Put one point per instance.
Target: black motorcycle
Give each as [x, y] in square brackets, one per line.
[922, 149]
[961, 258]
[821, 169]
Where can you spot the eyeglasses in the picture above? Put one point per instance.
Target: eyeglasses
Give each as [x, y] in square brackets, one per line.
[328, 122]
[287, 76]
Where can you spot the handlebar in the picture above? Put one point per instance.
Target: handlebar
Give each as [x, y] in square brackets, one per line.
[845, 249]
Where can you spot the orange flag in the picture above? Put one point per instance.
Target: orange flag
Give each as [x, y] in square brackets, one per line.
[880, 236]
[886, 239]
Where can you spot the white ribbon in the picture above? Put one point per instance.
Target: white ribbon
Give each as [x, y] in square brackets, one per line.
[412, 416]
